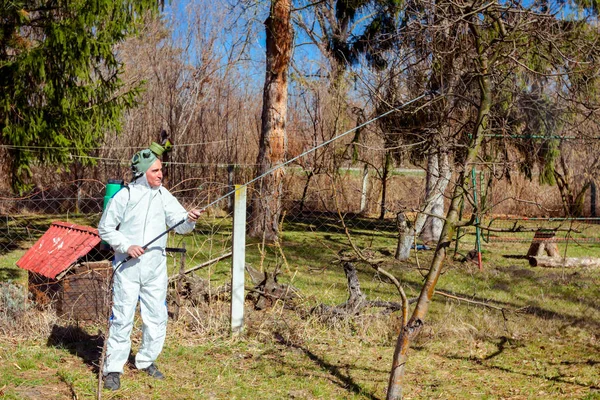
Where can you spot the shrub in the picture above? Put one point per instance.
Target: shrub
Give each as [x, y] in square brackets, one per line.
[13, 304]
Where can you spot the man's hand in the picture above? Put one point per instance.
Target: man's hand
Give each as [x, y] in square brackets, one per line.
[194, 214]
[135, 251]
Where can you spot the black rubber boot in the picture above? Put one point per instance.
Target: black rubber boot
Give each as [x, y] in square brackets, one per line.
[153, 372]
[112, 381]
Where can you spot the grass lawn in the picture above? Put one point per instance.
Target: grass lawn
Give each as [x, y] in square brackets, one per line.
[539, 340]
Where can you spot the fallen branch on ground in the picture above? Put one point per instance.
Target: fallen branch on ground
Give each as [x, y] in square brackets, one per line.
[203, 265]
[560, 262]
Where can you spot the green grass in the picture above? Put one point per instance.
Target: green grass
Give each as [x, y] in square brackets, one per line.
[543, 345]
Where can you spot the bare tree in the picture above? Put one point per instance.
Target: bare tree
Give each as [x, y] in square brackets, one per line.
[266, 202]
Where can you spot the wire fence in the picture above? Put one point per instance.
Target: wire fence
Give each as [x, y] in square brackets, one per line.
[318, 203]
[523, 229]
[316, 210]
[315, 204]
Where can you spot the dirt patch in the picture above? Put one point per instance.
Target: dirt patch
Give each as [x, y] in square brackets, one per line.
[521, 272]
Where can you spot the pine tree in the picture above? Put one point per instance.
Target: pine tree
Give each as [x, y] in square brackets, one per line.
[59, 78]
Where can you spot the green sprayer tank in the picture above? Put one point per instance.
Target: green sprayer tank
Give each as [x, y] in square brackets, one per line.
[113, 186]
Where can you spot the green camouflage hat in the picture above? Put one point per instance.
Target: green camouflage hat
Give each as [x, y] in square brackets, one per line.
[143, 159]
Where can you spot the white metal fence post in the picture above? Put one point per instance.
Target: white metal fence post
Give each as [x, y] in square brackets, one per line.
[238, 259]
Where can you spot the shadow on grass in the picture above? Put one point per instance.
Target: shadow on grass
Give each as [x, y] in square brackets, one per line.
[568, 320]
[502, 345]
[559, 378]
[332, 218]
[9, 274]
[515, 257]
[346, 382]
[329, 222]
[17, 231]
[78, 342]
[587, 362]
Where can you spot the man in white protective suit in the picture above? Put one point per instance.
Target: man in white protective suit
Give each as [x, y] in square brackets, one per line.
[134, 216]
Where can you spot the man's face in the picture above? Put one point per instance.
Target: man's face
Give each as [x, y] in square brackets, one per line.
[154, 174]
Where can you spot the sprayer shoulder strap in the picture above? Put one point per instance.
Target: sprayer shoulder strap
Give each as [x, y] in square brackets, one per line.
[126, 204]
[128, 196]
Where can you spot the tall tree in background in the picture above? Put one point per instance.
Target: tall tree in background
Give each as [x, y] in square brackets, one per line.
[346, 32]
[59, 78]
[266, 201]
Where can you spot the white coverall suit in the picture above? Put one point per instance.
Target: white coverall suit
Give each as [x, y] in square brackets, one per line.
[135, 216]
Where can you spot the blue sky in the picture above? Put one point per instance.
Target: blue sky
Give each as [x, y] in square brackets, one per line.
[240, 21]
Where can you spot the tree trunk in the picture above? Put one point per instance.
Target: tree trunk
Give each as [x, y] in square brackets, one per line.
[309, 176]
[384, 182]
[593, 199]
[365, 189]
[573, 201]
[356, 299]
[230, 187]
[266, 202]
[543, 242]
[406, 237]
[415, 323]
[437, 181]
